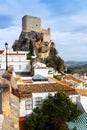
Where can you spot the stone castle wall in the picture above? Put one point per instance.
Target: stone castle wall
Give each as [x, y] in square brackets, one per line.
[31, 23]
[6, 103]
[46, 35]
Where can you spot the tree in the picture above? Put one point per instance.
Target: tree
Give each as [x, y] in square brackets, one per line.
[56, 62]
[31, 48]
[50, 62]
[53, 51]
[60, 64]
[53, 114]
[53, 60]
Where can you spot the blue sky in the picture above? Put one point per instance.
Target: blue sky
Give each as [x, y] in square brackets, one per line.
[66, 18]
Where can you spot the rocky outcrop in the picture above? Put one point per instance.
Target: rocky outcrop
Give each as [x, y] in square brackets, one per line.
[23, 43]
[41, 48]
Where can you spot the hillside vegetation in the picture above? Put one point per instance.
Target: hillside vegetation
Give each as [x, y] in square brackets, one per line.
[77, 67]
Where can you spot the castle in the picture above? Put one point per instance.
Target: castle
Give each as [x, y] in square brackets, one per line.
[31, 23]
[32, 30]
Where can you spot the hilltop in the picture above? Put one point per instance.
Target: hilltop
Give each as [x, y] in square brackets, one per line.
[77, 67]
[32, 33]
[38, 42]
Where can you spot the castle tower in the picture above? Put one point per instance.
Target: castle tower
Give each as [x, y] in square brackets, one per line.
[31, 23]
[46, 34]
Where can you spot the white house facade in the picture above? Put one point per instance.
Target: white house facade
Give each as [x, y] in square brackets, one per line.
[40, 68]
[32, 92]
[28, 104]
[18, 59]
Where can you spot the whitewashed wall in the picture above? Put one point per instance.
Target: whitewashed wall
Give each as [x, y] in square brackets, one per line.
[17, 59]
[84, 102]
[20, 66]
[75, 98]
[23, 111]
[41, 71]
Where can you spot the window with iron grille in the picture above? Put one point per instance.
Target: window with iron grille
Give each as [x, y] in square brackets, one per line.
[38, 101]
[29, 104]
[19, 67]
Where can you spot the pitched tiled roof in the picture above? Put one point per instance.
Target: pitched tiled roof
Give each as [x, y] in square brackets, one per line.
[27, 80]
[71, 78]
[19, 94]
[59, 82]
[82, 92]
[19, 79]
[51, 87]
[25, 90]
[1, 51]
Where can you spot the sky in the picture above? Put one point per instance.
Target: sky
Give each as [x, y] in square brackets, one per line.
[66, 18]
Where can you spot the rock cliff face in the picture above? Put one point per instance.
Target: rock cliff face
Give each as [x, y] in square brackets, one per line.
[33, 37]
[41, 48]
[23, 43]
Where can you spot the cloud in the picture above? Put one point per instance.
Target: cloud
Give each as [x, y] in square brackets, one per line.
[70, 35]
[9, 35]
[67, 20]
[11, 13]
[70, 45]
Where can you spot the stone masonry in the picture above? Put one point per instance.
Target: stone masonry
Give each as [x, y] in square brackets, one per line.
[31, 23]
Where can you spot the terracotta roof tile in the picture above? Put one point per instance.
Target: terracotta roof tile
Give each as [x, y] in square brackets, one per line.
[82, 92]
[60, 82]
[52, 87]
[1, 51]
[70, 78]
[19, 94]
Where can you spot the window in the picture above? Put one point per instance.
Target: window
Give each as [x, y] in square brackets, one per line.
[0, 58]
[19, 67]
[12, 59]
[29, 104]
[27, 66]
[73, 99]
[38, 101]
[19, 59]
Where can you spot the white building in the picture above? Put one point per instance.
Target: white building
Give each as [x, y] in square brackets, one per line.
[1, 68]
[40, 68]
[18, 59]
[32, 92]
